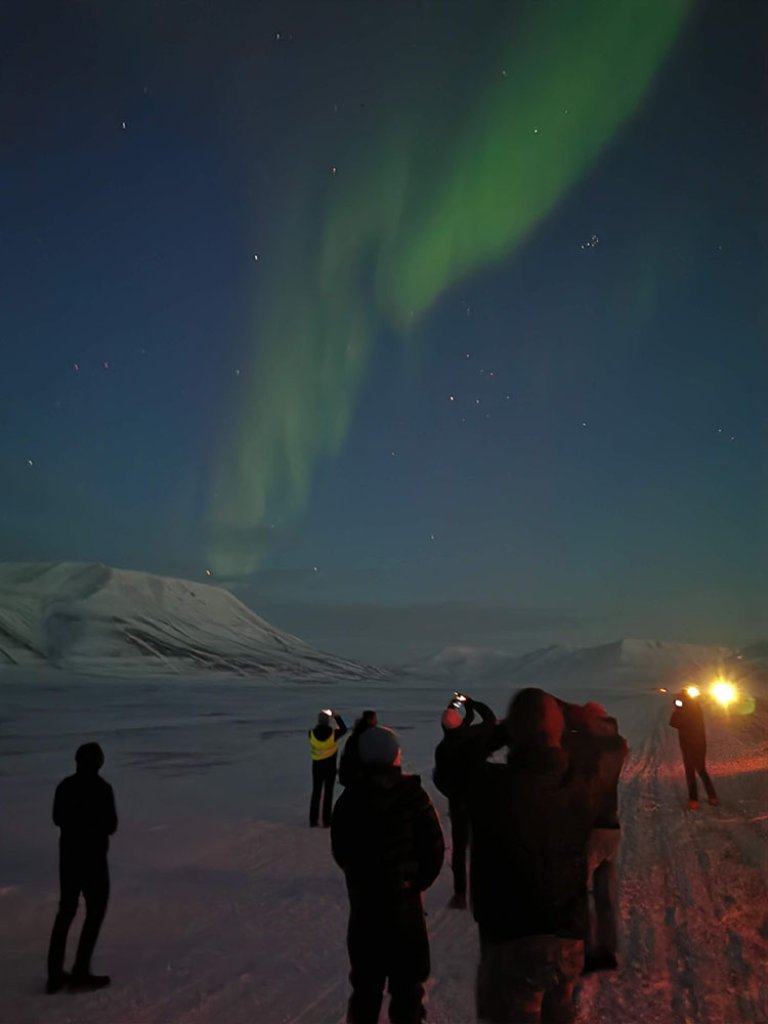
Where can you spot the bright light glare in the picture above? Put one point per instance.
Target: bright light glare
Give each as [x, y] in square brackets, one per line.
[723, 692]
[693, 691]
[678, 703]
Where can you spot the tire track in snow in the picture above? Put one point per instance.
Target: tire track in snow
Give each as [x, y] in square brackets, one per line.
[691, 889]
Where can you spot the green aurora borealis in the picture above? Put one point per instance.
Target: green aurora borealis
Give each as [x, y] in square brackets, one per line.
[380, 244]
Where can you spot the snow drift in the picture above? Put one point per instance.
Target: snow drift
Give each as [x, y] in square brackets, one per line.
[90, 618]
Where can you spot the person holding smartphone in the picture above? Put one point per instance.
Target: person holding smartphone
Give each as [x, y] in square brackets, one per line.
[456, 721]
[323, 747]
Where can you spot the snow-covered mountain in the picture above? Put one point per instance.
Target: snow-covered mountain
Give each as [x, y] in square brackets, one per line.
[91, 618]
[629, 659]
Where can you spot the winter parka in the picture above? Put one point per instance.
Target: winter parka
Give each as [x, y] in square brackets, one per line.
[386, 835]
[530, 825]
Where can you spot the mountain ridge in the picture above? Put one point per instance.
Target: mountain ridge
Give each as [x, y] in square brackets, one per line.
[626, 658]
[93, 618]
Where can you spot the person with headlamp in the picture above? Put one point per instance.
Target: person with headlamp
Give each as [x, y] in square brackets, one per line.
[688, 719]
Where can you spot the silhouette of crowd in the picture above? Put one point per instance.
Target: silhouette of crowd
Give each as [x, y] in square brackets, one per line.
[532, 802]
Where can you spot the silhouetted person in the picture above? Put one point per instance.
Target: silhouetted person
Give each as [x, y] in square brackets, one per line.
[688, 719]
[349, 764]
[84, 810]
[598, 751]
[456, 721]
[387, 839]
[323, 747]
[530, 821]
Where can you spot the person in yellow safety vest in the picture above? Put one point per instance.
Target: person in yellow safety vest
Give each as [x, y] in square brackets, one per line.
[323, 745]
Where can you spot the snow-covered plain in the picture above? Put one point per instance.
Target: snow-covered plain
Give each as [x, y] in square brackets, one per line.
[227, 908]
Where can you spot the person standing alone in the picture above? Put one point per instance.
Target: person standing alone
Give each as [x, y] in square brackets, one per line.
[323, 747]
[688, 719]
[84, 810]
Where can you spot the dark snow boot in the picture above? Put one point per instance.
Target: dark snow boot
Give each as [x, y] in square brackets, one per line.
[88, 982]
[57, 982]
[599, 961]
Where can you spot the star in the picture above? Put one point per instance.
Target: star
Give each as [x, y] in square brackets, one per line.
[208, 572]
[122, 123]
[451, 398]
[30, 462]
[255, 256]
[77, 367]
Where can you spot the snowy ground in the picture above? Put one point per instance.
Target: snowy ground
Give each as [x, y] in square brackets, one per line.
[226, 908]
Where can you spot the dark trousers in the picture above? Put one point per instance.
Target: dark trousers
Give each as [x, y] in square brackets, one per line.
[692, 766]
[603, 854]
[89, 876]
[323, 779]
[388, 944]
[529, 980]
[459, 842]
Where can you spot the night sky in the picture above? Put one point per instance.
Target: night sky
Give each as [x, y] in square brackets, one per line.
[415, 323]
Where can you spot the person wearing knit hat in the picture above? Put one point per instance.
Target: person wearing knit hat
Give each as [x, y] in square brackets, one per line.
[379, 746]
[451, 719]
[456, 721]
[323, 746]
[386, 837]
[350, 765]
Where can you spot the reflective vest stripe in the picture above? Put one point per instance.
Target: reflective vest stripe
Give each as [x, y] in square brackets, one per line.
[322, 749]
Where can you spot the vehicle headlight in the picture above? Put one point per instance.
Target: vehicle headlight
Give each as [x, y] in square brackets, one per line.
[724, 692]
